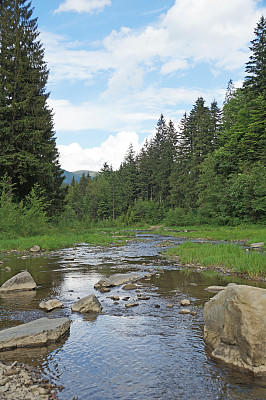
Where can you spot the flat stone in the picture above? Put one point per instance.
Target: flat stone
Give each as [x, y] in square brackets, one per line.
[216, 289]
[87, 304]
[50, 305]
[257, 245]
[128, 305]
[184, 311]
[21, 281]
[117, 280]
[39, 332]
[129, 286]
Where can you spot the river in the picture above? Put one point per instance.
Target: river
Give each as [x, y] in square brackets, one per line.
[142, 353]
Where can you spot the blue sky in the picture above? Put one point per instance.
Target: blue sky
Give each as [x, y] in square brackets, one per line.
[116, 65]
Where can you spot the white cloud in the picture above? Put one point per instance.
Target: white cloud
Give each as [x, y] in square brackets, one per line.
[73, 157]
[83, 5]
[192, 31]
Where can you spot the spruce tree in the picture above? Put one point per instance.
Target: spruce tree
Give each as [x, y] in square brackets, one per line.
[28, 153]
[256, 66]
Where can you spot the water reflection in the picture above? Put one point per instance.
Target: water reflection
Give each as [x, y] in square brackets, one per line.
[146, 352]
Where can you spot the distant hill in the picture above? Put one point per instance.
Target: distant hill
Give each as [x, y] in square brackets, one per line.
[77, 175]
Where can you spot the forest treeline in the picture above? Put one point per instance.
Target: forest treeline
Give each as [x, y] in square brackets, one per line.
[208, 169]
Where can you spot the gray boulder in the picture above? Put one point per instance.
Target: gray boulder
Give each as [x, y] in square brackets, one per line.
[21, 281]
[39, 332]
[87, 304]
[235, 327]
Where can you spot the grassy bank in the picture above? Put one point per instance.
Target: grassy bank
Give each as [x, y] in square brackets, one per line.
[57, 240]
[229, 257]
[248, 233]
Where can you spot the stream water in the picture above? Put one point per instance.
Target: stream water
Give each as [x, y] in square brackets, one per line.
[142, 353]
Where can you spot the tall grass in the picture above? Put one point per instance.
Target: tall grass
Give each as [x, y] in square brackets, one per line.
[248, 233]
[56, 240]
[227, 256]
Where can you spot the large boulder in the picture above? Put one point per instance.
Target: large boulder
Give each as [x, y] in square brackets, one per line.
[235, 327]
[21, 281]
[87, 304]
[39, 332]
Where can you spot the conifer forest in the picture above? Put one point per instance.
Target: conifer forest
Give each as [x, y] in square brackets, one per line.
[210, 169]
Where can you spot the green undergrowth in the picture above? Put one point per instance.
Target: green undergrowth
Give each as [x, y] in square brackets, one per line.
[229, 256]
[248, 233]
[57, 240]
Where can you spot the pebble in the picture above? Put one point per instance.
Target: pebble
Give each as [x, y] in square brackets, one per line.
[185, 302]
[128, 305]
[184, 311]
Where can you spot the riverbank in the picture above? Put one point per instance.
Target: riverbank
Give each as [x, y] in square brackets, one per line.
[21, 381]
[58, 240]
[228, 257]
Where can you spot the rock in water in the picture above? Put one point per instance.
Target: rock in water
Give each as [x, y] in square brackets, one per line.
[235, 327]
[50, 305]
[21, 281]
[87, 304]
[185, 302]
[39, 332]
[35, 249]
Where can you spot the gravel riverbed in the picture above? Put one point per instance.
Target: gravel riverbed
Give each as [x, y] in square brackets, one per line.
[19, 381]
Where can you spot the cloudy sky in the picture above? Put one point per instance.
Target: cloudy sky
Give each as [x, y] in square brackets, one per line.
[116, 65]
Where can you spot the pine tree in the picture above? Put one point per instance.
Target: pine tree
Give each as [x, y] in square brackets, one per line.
[256, 66]
[28, 153]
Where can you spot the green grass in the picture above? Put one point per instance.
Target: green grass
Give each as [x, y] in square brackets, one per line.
[58, 240]
[248, 233]
[228, 256]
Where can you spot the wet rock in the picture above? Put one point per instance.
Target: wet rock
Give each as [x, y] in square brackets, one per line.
[21, 281]
[87, 304]
[216, 289]
[193, 313]
[184, 311]
[129, 286]
[39, 332]
[50, 305]
[126, 298]
[35, 249]
[157, 306]
[185, 302]
[235, 327]
[114, 297]
[105, 290]
[143, 298]
[257, 245]
[129, 305]
[170, 306]
[117, 280]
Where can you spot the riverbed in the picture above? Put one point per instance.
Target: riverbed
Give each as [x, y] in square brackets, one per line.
[141, 353]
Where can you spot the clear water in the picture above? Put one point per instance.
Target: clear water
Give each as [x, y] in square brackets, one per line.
[145, 352]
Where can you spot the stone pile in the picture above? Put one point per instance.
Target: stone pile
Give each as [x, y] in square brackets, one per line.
[19, 381]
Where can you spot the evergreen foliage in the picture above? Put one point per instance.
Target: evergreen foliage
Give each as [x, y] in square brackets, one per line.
[28, 154]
